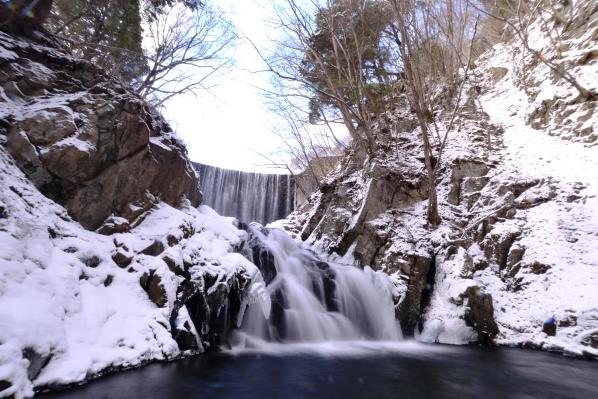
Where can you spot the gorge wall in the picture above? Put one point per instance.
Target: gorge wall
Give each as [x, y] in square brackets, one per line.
[513, 262]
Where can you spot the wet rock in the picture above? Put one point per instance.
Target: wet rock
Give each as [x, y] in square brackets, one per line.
[152, 284]
[185, 340]
[549, 327]
[154, 249]
[37, 362]
[277, 315]
[213, 306]
[480, 315]
[122, 259]
[255, 250]
[409, 309]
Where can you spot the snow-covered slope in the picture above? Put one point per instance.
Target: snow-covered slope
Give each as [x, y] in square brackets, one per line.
[545, 284]
[64, 301]
[515, 261]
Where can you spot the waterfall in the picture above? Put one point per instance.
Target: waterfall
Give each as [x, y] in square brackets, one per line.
[310, 300]
[250, 197]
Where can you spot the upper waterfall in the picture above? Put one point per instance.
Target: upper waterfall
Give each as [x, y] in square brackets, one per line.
[250, 197]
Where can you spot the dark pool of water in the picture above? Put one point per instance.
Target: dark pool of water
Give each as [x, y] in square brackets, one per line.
[354, 371]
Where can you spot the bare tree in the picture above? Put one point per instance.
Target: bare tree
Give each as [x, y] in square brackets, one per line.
[185, 48]
[325, 58]
[519, 15]
[431, 45]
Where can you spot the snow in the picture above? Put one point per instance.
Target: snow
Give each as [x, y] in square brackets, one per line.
[56, 305]
[561, 233]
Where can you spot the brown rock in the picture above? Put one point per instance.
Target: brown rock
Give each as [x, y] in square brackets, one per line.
[154, 249]
[591, 340]
[114, 225]
[172, 240]
[122, 259]
[92, 261]
[117, 150]
[480, 315]
[173, 266]
[152, 284]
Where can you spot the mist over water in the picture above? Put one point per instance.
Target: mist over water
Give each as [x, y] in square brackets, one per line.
[310, 300]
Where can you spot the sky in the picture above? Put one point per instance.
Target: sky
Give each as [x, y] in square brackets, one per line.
[230, 126]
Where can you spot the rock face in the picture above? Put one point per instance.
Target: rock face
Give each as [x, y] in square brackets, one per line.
[512, 239]
[365, 206]
[86, 141]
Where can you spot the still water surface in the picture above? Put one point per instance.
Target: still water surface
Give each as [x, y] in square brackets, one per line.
[353, 370]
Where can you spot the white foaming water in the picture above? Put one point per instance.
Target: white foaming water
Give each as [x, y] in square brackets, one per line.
[311, 301]
[249, 197]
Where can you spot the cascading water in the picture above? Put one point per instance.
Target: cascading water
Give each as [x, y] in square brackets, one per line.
[250, 197]
[309, 300]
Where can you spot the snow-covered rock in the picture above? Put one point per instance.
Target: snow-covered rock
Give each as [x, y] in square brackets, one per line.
[68, 312]
[516, 252]
[86, 140]
[158, 279]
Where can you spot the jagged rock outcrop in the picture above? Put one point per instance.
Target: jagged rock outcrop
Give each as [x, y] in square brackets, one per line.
[85, 140]
[514, 245]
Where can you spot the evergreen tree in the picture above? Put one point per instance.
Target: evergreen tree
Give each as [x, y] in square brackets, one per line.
[106, 32]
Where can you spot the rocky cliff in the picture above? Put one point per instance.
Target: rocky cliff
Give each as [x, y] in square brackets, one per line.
[105, 260]
[514, 260]
[85, 140]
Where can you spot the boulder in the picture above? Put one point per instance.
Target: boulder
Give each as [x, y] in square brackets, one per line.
[480, 315]
[92, 144]
[154, 249]
[152, 284]
[114, 225]
[122, 259]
